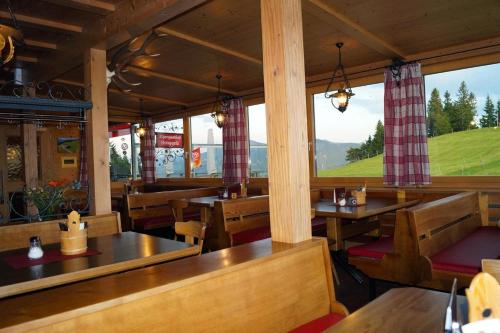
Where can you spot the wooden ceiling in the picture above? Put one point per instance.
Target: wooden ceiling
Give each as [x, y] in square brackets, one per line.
[224, 36]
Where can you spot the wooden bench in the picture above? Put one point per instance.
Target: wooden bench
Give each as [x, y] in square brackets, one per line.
[16, 236]
[260, 287]
[451, 240]
[147, 211]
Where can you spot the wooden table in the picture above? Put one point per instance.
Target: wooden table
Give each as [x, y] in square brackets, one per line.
[402, 310]
[206, 205]
[119, 252]
[374, 206]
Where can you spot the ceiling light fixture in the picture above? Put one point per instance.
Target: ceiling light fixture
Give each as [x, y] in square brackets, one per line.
[344, 93]
[219, 110]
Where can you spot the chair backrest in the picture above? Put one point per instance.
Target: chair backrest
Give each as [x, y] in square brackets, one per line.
[441, 223]
[16, 236]
[492, 266]
[191, 230]
[177, 206]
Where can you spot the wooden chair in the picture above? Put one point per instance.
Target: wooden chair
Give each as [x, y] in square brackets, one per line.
[492, 266]
[191, 230]
[177, 206]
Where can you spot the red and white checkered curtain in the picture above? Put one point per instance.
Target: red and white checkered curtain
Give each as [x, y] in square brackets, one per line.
[148, 157]
[83, 176]
[235, 144]
[406, 157]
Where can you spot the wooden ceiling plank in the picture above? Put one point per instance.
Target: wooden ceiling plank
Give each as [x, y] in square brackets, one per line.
[130, 19]
[92, 6]
[33, 60]
[213, 46]
[40, 44]
[43, 22]
[355, 30]
[148, 72]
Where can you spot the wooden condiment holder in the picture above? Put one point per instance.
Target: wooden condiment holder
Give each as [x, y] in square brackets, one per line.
[73, 241]
[360, 197]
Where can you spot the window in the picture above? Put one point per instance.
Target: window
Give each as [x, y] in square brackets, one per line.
[120, 152]
[258, 140]
[206, 147]
[169, 149]
[462, 115]
[350, 143]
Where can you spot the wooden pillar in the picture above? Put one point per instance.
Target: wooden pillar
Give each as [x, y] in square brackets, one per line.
[97, 131]
[187, 146]
[30, 162]
[285, 94]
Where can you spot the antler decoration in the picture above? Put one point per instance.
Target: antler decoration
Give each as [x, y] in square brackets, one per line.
[8, 35]
[125, 55]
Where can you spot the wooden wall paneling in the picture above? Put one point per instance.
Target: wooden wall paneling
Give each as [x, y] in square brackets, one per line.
[187, 146]
[30, 155]
[284, 83]
[97, 132]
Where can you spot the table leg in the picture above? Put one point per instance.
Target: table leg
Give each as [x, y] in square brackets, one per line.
[334, 232]
[205, 215]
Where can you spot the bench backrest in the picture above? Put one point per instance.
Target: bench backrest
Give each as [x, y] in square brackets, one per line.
[244, 213]
[155, 204]
[17, 236]
[441, 223]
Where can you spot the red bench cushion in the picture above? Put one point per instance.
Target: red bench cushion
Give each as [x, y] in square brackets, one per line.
[251, 235]
[465, 255]
[375, 249]
[320, 324]
[154, 222]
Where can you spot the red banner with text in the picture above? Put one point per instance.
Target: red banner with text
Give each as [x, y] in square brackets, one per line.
[169, 140]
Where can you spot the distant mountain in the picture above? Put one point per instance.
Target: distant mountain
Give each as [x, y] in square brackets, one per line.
[331, 155]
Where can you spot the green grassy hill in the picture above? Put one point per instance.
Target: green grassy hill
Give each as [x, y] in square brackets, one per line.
[468, 153]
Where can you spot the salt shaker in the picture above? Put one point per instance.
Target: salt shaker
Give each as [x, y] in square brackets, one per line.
[35, 251]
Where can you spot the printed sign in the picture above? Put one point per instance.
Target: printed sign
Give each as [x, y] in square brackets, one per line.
[169, 140]
[196, 158]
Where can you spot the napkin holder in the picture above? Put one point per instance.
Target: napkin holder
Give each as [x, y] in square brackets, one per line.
[360, 197]
[74, 240]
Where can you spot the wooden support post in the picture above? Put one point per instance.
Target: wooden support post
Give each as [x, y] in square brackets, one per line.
[97, 131]
[187, 146]
[285, 94]
[30, 162]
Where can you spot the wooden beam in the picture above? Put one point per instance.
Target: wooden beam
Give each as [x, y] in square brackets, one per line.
[149, 73]
[43, 22]
[118, 91]
[97, 132]
[147, 97]
[33, 60]
[355, 30]
[93, 6]
[40, 44]
[285, 92]
[130, 19]
[213, 46]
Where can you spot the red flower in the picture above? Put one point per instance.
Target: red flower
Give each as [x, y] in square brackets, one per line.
[53, 183]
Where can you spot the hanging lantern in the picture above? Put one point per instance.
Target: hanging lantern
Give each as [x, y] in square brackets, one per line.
[141, 130]
[340, 98]
[219, 110]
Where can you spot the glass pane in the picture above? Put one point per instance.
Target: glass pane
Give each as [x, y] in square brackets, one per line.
[463, 109]
[120, 152]
[15, 164]
[258, 140]
[206, 147]
[170, 161]
[350, 143]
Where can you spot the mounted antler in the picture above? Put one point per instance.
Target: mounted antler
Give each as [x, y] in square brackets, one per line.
[125, 55]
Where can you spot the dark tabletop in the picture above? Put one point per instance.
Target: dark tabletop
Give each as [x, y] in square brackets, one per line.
[118, 252]
[203, 201]
[373, 206]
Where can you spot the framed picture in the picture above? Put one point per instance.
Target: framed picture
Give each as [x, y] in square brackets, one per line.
[68, 145]
[68, 162]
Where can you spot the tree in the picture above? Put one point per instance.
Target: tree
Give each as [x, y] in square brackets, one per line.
[489, 118]
[437, 119]
[498, 113]
[378, 138]
[464, 109]
[371, 147]
[119, 166]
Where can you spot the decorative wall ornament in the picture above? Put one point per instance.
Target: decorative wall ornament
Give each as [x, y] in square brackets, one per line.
[9, 36]
[125, 55]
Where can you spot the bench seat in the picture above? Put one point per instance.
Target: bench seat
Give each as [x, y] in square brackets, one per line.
[376, 249]
[318, 224]
[320, 324]
[162, 221]
[465, 256]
